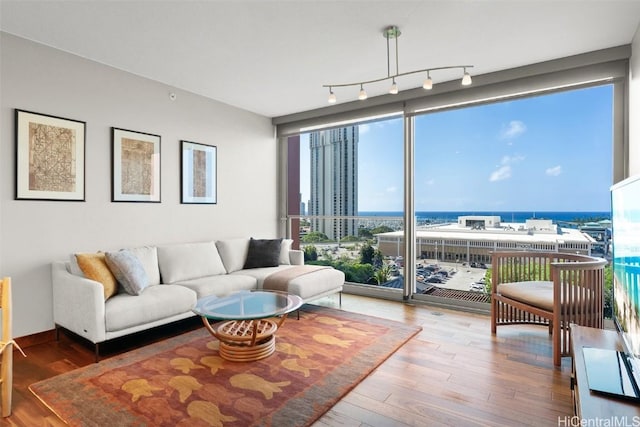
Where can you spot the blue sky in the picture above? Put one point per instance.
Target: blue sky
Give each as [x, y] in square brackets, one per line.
[545, 153]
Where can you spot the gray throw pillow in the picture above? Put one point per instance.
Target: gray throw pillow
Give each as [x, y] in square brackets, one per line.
[263, 253]
[128, 270]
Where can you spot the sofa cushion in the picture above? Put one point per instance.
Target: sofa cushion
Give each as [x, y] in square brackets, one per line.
[94, 267]
[154, 303]
[221, 285]
[148, 256]
[318, 283]
[263, 253]
[233, 253]
[260, 273]
[189, 261]
[285, 247]
[128, 270]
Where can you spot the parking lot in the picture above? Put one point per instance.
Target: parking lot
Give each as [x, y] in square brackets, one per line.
[462, 276]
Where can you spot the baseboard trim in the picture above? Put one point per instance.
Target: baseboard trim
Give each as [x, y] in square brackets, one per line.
[37, 338]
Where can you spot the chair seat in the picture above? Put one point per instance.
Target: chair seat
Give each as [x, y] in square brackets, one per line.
[535, 293]
[539, 294]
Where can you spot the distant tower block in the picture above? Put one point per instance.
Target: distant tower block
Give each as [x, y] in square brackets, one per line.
[334, 180]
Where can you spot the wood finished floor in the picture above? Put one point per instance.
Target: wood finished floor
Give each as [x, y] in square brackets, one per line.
[453, 373]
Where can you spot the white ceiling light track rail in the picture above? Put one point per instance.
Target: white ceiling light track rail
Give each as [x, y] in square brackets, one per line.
[392, 32]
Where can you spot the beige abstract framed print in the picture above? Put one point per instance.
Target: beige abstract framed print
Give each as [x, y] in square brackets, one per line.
[198, 167]
[135, 166]
[50, 157]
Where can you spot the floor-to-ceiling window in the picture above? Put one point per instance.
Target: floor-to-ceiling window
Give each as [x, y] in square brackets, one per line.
[519, 165]
[524, 173]
[350, 187]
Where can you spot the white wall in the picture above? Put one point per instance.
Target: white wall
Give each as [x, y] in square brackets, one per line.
[34, 233]
[634, 106]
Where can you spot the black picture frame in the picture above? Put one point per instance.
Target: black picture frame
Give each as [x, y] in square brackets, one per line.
[135, 166]
[198, 173]
[49, 157]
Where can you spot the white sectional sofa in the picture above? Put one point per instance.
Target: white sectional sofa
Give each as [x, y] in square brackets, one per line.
[174, 277]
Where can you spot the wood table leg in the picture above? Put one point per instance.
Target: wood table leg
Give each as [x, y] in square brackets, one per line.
[245, 340]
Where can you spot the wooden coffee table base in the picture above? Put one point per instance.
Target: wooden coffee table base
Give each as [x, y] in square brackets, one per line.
[245, 340]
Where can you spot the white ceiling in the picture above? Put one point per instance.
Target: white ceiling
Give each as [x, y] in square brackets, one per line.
[272, 57]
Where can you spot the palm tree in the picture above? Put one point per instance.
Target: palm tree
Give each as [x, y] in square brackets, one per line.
[382, 274]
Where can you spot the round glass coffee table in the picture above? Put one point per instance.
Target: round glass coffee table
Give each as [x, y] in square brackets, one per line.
[247, 321]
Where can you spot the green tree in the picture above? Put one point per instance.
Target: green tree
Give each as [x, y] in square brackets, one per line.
[381, 229]
[356, 272]
[310, 253]
[353, 271]
[350, 239]
[382, 274]
[365, 233]
[366, 254]
[315, 237]
[378, 259]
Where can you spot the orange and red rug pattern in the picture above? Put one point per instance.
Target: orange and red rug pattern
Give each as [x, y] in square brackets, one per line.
[182, 381]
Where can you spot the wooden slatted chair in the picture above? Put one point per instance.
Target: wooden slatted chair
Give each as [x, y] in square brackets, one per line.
[550, 289]
[6, 348]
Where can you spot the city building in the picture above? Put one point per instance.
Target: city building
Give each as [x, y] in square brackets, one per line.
[472, 239]
[334, 180]
[601, 232]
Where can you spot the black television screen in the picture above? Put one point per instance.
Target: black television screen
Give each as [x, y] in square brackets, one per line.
[625, 218]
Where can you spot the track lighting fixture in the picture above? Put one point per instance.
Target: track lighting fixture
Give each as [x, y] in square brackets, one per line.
[363, 94]
[332, 96]
[392, 32]
[394, 88]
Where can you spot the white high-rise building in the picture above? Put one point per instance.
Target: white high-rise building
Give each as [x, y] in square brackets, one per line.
[334, 180]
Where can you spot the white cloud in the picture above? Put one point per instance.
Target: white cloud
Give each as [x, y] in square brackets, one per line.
[509, 160]
[392, 189]
[364, 128]
[513, 129]
[554, 171]
[501, 173]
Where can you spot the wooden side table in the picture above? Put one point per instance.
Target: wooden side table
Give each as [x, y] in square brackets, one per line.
[592, 407]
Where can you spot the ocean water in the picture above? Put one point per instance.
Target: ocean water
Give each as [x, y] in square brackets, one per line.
[505, 216]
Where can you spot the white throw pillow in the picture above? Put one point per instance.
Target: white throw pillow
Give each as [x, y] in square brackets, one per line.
[148, 256]
[188, 261]
[285, 247]
[233, 253]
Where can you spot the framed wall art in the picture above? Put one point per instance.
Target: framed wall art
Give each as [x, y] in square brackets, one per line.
[135, 166]
[198, 170]
[50, 157]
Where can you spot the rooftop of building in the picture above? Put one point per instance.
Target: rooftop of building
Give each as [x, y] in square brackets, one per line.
[533, 231]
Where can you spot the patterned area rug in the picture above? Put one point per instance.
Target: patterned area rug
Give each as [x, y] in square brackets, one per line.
[182, 381]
